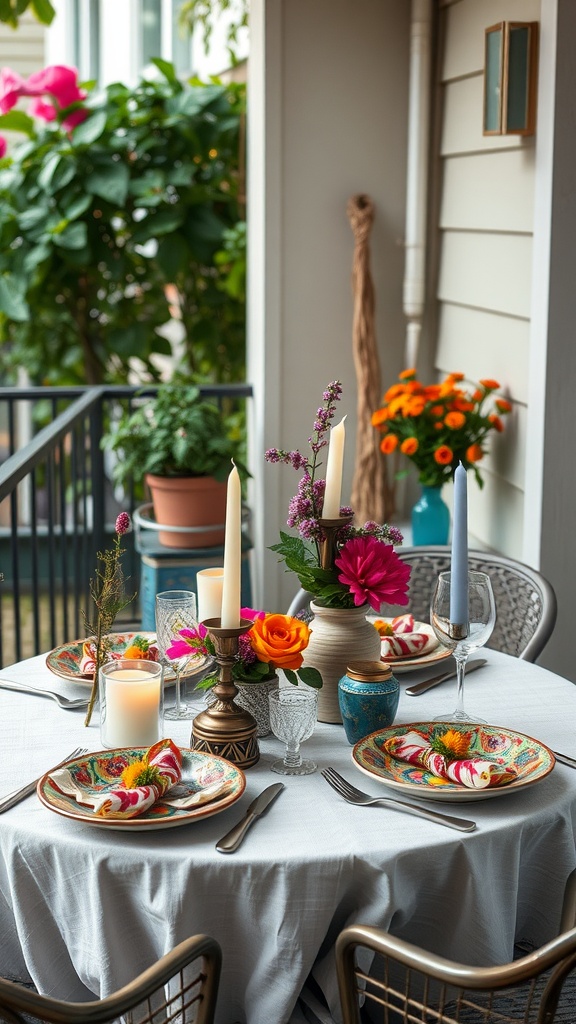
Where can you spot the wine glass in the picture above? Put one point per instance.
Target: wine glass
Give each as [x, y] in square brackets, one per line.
[463, 639]
[293, 713]
[176, 610]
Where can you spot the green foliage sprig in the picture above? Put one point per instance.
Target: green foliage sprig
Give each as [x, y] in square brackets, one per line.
[12, 10]
[109, 597]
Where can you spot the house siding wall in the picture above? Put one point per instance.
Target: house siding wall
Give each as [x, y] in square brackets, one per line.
[485, 227]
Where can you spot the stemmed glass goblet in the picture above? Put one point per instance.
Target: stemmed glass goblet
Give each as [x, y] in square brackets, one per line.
[293, 714]
[465, 638]
[176, 610]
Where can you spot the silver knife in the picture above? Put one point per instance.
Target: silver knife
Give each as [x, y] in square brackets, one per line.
[231, 841]
[413, 691]
[565, 759]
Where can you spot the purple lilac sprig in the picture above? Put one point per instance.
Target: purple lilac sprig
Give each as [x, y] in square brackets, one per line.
[305, 508]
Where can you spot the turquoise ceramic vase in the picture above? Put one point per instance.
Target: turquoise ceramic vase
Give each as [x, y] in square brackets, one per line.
[430, 518]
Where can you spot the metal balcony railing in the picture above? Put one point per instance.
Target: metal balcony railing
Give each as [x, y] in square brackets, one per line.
[58, 508]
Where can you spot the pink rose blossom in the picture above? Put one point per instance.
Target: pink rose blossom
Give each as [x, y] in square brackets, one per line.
[373, 572]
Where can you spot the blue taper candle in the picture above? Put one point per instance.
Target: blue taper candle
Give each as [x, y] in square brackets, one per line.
[459, 561]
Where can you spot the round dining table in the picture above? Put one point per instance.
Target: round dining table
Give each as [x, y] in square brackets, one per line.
[84, 909]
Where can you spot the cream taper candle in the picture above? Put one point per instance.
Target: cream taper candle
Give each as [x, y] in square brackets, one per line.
[209, 588]
[230, 618]
[332, 494]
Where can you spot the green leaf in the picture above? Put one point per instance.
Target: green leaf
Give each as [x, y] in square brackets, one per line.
[167, 70]
[88, 131]
[74, 236]
[291, 676]
[110, 182]
[311, 677]
[12, 299]
[161, 223]
[44, 11]
[173, 255]
[17, 121]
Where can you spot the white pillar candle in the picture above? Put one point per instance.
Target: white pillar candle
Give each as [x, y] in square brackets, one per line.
[132, 707]
[332, 494]
[459, 559]
[230, 618]
[209, 587]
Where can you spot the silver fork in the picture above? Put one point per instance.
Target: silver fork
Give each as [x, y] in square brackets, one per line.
[68, 703]
[19, 794]
[356, 796]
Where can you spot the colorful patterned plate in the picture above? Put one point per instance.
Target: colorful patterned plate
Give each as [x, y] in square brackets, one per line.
[532, 759]
[100, 771]
[65, 661]
[432, 652]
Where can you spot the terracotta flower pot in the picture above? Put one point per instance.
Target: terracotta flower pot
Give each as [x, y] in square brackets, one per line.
[189, 501]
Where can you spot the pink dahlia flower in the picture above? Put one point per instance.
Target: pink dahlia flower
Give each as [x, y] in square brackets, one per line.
[12, 86]
[2, 146]
[373, 572]
[190, 639]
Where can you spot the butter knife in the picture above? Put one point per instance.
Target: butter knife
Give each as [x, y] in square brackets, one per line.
[413, 691]
[231, 841]
[570, 762]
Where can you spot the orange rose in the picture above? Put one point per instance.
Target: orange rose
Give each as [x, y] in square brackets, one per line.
[280, 639]
[443, 455]
[389, 444]
[455, 420]
[474, 453]
[409, 446]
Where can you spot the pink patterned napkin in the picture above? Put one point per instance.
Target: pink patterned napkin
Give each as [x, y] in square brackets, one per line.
[130, 801]
[399, 638]
[472, 772]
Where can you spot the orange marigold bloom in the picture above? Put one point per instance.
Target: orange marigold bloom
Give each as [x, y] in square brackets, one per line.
[397, 404]
[407, 374]
[489, 384]
[474, 453]
[414, 407]
[443, 455]
[446, 389]
[396, 389]
[389, 444]
[502, 405]
[454, 376]
[463, 406]
[437, 410]
[439, 425]
[409, 446]
[432, 392]
[280, 639]
[455, 420]
[478, 395]
[496, 422]
[379, 416]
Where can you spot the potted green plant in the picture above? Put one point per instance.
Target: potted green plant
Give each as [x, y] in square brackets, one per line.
[181, 446]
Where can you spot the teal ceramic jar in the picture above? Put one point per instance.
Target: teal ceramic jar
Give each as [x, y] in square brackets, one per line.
[368, 696]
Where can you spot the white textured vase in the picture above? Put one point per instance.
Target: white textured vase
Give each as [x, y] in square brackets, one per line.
[339, 636]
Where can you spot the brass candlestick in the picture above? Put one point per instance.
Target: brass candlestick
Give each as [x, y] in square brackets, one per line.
[330, 528]
[224, 728]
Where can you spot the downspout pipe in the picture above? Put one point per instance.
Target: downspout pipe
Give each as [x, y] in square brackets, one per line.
[417, 174]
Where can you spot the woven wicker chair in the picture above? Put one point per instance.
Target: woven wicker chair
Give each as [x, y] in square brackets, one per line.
[407, 985]
[181, 988]
[525, 601]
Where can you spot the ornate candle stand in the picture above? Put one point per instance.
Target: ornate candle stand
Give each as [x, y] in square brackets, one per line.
[224, 728]
[330, 528]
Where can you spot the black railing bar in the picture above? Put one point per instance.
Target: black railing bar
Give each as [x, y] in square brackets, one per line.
[11, 430]
[34, 563]
[15, 573]
[61, 487]
[234, 390]
[75, 544]
[18, 466]
[50, 466]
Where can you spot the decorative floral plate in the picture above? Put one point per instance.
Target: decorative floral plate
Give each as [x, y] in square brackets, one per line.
[101, 771]
[532, 759]
[66, 661]
[432, 651]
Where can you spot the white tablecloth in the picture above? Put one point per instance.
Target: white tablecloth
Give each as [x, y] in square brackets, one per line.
[83, 911]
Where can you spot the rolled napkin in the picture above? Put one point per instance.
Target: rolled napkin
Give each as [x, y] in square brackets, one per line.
[403, 646]
[472, 772]
[161, 768]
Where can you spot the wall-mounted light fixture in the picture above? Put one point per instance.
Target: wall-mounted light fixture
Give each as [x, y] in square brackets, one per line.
[510, 78]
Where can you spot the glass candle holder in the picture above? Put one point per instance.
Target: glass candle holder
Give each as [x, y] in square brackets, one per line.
[131, 703]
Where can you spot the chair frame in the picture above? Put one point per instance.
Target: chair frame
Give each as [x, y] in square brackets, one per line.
[455, 981]
[16, 1000]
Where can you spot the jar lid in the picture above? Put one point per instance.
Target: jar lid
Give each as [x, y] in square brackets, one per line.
[369, 671]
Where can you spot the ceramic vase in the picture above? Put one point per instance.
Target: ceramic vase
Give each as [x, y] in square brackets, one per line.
[430, 518]
[253, 697]
[338, 636]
